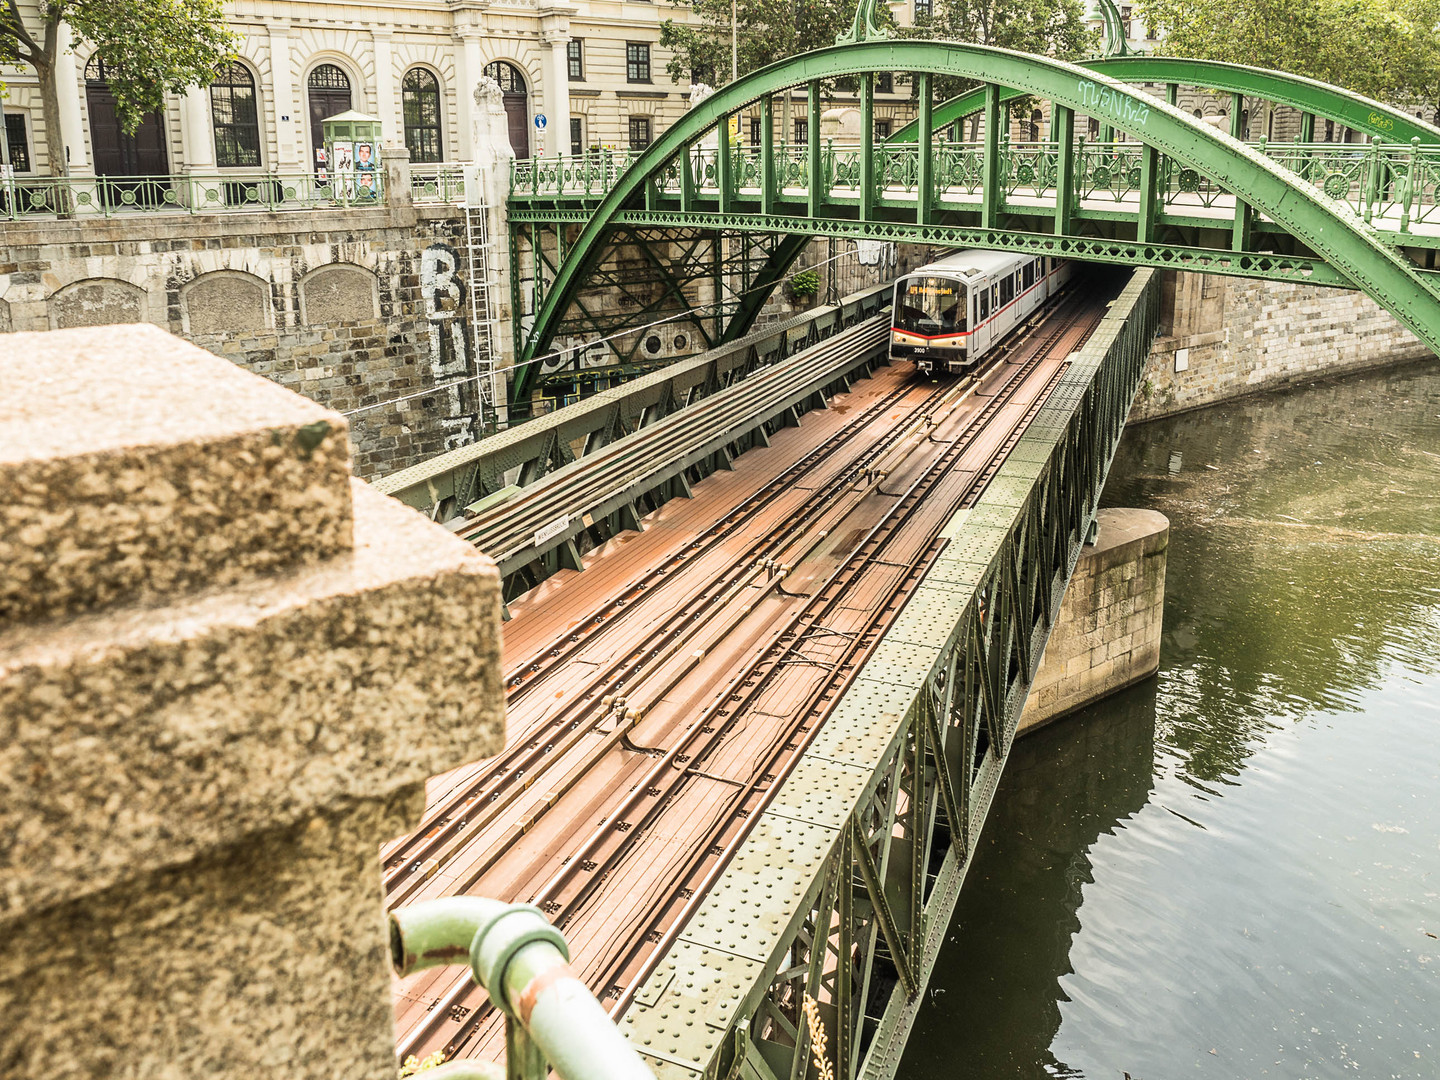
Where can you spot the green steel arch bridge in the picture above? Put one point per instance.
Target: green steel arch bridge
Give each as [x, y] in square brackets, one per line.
[842, 890]
[698, 230]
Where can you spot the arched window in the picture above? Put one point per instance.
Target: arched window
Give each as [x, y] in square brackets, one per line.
[328, 93]
[420, 102]
[1035, 119]
[235, 118]
[507, 75]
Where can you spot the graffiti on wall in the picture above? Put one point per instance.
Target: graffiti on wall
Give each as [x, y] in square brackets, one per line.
[444, 296]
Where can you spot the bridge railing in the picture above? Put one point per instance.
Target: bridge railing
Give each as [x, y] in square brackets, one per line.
[185, 193]
[1395, 186]
[443, 182]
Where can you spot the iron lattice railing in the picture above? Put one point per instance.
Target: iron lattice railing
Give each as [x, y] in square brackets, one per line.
[1394, 187]
[185, 193]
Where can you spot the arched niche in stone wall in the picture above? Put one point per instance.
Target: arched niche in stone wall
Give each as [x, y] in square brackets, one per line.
[339, 293]
[96, 302]
[224, 302]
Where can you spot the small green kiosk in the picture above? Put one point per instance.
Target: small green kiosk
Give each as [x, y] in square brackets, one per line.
[352, 156]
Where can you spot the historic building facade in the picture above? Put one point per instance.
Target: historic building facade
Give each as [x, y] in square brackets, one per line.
[575, 76]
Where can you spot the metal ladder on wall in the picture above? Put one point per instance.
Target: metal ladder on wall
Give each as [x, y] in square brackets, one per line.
[483, 324]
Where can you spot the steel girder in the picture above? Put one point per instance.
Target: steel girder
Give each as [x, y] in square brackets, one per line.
[1352, 249]
[443, 486]
[656, 274]
[844, 889]
[1309, 96]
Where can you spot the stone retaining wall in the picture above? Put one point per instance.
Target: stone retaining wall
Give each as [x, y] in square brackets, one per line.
[348, 307]
[1224, 337]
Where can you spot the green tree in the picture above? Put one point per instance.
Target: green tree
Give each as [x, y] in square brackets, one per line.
[150, 47]
[1387, 49]
[1054, 28]
[768, 30]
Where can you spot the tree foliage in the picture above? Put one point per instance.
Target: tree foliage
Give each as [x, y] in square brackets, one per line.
[150, 47]
[1053, 28]
[769, 30]
[1387, 49]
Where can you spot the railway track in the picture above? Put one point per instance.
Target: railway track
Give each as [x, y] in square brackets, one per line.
[811, 656]
[451, 824]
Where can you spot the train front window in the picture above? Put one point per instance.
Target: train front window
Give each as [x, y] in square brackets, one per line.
[931, 305]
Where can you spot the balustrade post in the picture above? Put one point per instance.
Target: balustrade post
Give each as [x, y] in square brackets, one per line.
[767, 154]
[925, 166]
[866, 176]
[723, 165]
[990, 170]
[1062, 126]
[1408, 192]
[1149, 169]
[1373, 166]
[812, 146]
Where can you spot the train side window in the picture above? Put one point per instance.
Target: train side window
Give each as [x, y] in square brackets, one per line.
[984, 298]
[1007, 290]
[1029, 274]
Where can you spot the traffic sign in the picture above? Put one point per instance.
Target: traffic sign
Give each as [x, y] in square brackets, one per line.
[540, 121]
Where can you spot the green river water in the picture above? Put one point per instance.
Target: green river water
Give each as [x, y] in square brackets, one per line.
[1232, 870]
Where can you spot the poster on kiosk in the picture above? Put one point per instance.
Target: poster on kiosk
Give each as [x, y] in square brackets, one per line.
[352, 142]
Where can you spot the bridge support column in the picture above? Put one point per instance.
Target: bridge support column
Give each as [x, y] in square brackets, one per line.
[207, 741]
[1108, 633]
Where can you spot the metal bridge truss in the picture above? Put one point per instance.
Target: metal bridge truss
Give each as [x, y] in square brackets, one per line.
[1178, 194]
[1314, 100]
[844, 888]
[525, 454]
[684, 289]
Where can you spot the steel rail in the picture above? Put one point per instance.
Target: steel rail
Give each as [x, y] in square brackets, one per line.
[519, 756]
[454, 831]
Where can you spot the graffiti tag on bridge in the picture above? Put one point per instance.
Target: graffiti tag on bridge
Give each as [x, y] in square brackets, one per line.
[444, 295]
[1103, 101]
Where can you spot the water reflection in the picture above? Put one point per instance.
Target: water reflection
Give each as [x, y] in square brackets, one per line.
[1232, 870]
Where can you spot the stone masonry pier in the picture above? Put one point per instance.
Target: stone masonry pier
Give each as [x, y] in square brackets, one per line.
[1108, 634]
[226, 670]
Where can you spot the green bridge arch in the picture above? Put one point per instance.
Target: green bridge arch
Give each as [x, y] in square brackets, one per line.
[1354, 252]
[1316, 99]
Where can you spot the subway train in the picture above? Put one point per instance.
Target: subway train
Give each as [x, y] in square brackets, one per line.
[949, 314]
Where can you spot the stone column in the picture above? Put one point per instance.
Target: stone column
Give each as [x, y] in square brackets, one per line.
[387, 102]
[288, 122]
[213, 710]
[469, 66]
[67, 83]
[555, 33]
[196, 139]
[395, 160]
[1108, 633]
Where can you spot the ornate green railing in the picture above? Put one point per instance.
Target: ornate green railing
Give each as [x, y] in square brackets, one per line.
[184, 193]
[1395, 187]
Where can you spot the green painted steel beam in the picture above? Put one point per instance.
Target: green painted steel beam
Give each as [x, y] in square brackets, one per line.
[1309, 96]
[1353, 250]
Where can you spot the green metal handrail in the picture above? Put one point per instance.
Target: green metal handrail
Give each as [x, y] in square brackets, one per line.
[216, 191]
[522, 961]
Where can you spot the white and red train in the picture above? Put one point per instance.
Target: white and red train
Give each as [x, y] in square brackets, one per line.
[948, 314]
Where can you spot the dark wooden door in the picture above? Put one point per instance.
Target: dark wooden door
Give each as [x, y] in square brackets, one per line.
[323, 104]
[328, 90]
[118, 154]
[517, 114]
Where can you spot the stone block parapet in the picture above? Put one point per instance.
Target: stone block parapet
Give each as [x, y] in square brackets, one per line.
[196, 771]
[1107, 636]
[182, 471]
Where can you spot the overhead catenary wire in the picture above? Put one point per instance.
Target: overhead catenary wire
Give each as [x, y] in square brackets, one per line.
[491, 372]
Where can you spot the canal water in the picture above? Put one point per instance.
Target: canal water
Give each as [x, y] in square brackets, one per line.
[1233, 870]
